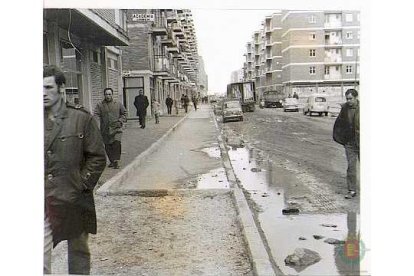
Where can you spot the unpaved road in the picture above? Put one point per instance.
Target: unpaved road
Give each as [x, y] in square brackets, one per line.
[305, 161]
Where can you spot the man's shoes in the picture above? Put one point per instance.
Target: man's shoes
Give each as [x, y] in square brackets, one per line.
[116, 165]
[351, 194]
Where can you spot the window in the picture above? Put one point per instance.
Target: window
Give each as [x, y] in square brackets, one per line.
[349, 52]
[349, 35]
[312, 36]
[358, 52]
[349, 17]
[312, 70]
[312, 52]
[312, 19]
[348, 69]
[326, 70]
[358, 17]
[112, 63]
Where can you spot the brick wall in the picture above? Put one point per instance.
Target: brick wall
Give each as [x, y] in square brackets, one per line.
[136, 55]
[113, 82]
[108, 15]
[96, 83]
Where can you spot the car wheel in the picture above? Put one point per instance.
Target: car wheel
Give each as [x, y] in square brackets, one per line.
[304, 112]
[241, 119]
[326, 113]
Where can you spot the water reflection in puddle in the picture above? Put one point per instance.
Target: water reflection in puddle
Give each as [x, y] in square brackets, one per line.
[283, 232]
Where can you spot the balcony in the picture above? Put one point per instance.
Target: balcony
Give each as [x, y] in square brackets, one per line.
[177, 29]
[333, 59]
[333, 25]
[161, 65]
[171, 16]
[269, 56]
[332, 76]
[160, 26]
[333, 41]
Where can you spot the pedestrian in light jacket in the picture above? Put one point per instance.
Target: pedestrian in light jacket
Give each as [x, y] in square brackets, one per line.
[141, 103]
[346, 133]
[111, 115]
[74, 158]
[156, 107]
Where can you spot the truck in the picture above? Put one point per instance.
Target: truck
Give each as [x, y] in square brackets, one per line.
[244, 92]
[273, 98]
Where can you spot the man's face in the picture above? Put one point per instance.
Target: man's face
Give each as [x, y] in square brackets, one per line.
[108, 95]
[351, 100]
[141, 92]
[51, 93]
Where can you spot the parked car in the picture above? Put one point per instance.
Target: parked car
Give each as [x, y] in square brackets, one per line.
[316, 104]
[290, 104]
[334, 109]
[218, 108]
[273, 98]
[232, 110]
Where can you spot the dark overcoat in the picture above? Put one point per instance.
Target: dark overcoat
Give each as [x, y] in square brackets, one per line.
[346, 129]
[74, 157]
[141, 103]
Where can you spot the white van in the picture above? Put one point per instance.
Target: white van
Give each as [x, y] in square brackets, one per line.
[316, 104]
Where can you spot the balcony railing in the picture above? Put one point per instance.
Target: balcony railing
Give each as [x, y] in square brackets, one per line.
[333, 41]
[333, 76]
[333, 24]
[161, 63]
[333, 59]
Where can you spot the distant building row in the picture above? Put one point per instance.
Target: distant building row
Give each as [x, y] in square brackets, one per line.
[305, 52]
[127, 50]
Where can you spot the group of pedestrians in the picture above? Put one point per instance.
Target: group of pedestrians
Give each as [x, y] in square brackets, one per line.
[76, 144]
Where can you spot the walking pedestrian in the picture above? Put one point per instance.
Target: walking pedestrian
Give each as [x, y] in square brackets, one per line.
[346, 133]
[182, 100]
[141, 103]
[295, 95]
[169, 102]
[74, 158]
[111, 115]
[157, 108]
[194, 99]
[186, 101]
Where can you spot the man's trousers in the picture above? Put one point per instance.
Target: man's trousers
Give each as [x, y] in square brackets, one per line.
[352, 176]
[113, 151]
[79, 257]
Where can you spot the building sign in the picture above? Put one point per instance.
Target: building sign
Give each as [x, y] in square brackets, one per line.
[143, 17]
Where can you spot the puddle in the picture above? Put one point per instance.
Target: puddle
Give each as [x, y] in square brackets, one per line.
[283, 231]
[214, 179]
[213, 152]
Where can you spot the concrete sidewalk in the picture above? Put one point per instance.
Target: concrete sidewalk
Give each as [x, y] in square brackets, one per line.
[136, 140]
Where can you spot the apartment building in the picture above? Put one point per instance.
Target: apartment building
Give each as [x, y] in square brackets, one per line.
[305, 52]
[162, 57]
[85, 44]
[320, 52]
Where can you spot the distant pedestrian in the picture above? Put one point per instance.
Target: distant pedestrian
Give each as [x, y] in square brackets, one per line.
[195, 101]
[182, 100]
[111, 115]
[141, 103]
[74, 158]
[156, 107]
[169, 103]
[346, 133]
[296, 96]
[186, 102]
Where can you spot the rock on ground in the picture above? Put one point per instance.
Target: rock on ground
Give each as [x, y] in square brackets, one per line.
[302, 257]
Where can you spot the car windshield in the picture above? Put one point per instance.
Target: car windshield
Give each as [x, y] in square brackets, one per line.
[320, 99]
[291, 101]
[232, 104]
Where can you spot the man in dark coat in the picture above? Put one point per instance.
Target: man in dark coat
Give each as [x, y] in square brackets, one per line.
[74, 156]
[169, 102]
[111, 115]
[346, 133]
[186, 101]
[195, 101]
[141, 103]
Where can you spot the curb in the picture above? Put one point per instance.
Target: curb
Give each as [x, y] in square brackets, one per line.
[256, 249]
[105, 189]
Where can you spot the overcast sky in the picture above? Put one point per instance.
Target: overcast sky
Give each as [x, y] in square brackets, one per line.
[222, 36]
